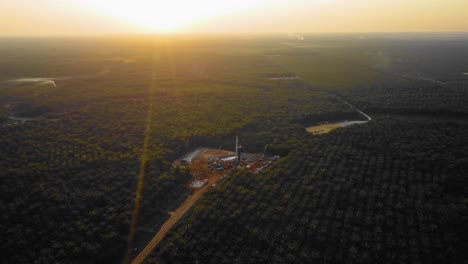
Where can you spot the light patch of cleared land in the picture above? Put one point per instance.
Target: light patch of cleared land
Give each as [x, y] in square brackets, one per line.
[466, 73]
[323, 128]
[326, 128]
[284, 78]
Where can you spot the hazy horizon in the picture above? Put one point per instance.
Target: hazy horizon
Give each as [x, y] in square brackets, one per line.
[71, 17]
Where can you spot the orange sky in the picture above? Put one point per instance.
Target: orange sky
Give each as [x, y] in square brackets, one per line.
[70, 17]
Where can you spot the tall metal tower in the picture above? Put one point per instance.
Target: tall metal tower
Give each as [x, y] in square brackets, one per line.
[237, 148]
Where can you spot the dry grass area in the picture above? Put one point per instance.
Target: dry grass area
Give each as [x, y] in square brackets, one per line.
[322, 129]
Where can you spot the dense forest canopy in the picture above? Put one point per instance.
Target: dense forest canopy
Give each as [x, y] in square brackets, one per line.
[74, 113]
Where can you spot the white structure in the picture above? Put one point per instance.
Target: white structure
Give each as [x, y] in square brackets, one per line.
[188, 158]
[230, 158]
[199, 184]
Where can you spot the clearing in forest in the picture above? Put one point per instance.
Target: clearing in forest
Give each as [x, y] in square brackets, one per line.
[200, 169]
[323, 128]
[207, 166]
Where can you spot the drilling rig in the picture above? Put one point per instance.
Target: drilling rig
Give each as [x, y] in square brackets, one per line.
[238, 154]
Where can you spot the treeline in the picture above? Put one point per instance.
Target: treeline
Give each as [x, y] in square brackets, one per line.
[381, 192]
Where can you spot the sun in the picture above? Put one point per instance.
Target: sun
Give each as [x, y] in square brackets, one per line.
[167, 16]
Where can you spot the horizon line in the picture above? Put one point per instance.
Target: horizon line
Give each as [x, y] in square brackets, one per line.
[223, 33]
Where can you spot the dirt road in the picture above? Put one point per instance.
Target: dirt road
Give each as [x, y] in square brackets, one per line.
[175, 216]
[352, 106]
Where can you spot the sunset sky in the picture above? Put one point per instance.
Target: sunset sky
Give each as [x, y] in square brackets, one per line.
[70, 17]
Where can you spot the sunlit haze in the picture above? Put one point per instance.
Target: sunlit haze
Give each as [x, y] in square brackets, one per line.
[168, 15]
[49, 17]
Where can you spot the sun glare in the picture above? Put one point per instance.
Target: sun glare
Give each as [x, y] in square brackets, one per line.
[167, 16]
